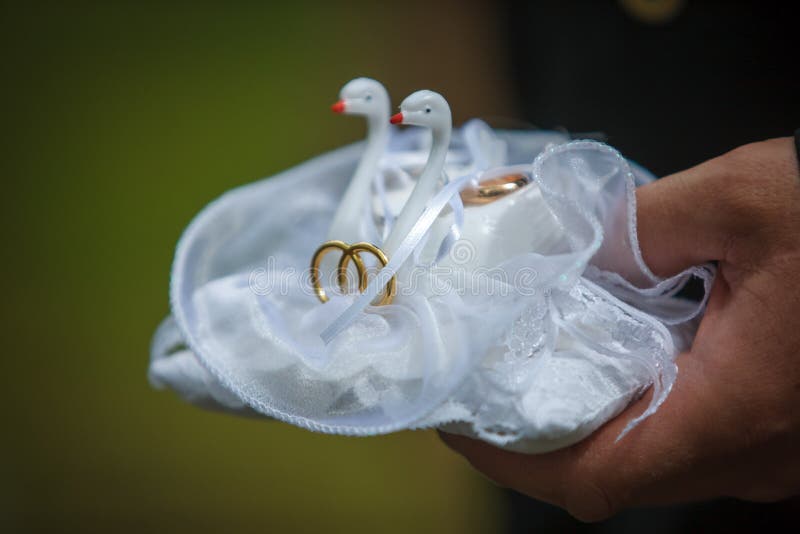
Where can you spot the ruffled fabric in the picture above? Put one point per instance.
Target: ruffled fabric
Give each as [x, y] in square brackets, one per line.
[568, 326]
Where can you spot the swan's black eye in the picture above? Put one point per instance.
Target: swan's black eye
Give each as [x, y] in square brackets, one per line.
[427, 110]
[368, 98]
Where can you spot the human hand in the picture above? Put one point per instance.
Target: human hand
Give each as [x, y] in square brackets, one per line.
[731, 425]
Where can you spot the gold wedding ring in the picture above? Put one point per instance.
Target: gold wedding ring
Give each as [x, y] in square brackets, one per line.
[494, 189]
[350, 252]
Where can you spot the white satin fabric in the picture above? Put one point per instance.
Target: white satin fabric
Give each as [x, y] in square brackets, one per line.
[569, 326]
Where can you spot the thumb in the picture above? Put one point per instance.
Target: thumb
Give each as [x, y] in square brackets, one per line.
[681, 219]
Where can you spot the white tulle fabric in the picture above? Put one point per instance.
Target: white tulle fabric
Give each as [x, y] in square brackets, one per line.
[569, 326]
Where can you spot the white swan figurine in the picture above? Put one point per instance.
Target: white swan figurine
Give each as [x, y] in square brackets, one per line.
[368, 98]
[429, 109]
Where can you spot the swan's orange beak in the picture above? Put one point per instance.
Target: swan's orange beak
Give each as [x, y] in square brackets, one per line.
[338, 107]
[397, 119]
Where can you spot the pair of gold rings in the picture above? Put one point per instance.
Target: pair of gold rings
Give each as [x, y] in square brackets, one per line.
[350, 252]
[493, 189]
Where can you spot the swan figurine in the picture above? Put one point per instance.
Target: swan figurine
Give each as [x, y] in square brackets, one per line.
[429, 109]
[368, 98]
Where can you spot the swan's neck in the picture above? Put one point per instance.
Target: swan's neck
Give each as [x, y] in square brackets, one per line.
[347, 221]
[423, 191]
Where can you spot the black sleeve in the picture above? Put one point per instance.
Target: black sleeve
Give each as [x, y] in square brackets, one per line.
[797, 144]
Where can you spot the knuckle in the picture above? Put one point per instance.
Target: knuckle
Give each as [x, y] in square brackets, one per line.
[743, 153]
[490, 471]
[767, 493]
[589, 500]
[743, 165]
[749, 192]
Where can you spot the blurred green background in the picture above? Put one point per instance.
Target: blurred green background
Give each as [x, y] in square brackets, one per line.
[120, 122]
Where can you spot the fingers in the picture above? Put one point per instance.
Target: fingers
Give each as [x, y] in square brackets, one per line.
[654, 464]
[538, 476]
